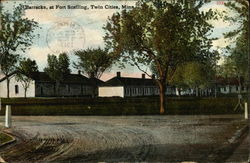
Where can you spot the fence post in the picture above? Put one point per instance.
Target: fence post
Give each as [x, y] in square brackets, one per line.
[8, 116]
[246, 111]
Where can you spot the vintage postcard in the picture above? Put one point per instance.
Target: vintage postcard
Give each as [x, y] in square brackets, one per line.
[124, 81]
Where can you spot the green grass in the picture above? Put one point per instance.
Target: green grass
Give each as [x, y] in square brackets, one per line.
[4, 138]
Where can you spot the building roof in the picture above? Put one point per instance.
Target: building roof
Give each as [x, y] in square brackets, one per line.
[4, 78]
[125, 81]
[67, 79]
[229, 80]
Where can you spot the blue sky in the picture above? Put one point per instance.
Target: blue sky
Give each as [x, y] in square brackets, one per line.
[72, 29]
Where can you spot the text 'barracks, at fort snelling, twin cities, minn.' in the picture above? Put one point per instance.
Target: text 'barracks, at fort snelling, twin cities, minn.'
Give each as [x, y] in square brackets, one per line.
[83, 7]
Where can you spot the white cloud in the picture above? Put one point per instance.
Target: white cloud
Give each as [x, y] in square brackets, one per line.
[39, 55]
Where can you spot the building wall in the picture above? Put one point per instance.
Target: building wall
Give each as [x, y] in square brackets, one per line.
[232, 89]
[48, 89]
[146, 91]
[140, 91]
[16, 88]
[44, 89]
[111, 91]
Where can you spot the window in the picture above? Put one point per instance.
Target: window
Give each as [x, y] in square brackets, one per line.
[16, 89]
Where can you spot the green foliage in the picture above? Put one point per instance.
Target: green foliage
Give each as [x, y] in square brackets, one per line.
[237, 61]
[16, 34]
[195, 75]
[95, 61]
[166, 37]
[236, 64]
[239, 16]
[119, 106]
[57, 68]
[64, 63]
[25, 70]
[4, 138]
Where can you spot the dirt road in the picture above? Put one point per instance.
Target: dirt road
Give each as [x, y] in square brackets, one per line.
[118, 138]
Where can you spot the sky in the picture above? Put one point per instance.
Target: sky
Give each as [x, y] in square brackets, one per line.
[64, 29]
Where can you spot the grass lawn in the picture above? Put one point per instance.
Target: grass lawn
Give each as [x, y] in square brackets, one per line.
[4, 138]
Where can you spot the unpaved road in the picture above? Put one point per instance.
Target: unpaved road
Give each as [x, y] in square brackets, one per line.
[118, 138]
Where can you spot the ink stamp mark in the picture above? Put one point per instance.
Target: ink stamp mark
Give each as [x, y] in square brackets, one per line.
[65, 36]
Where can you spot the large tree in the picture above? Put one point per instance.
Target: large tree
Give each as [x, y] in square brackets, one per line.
[16, 35]
[167, 35]
[57, 68]
[238, 15]
[93, 61]
[238, 52]
[239, 57]
[25, 71]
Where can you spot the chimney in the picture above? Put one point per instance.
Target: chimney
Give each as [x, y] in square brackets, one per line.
[153, 76]
[118, 74]
[79, 72]
[143, 76]
[92, 75]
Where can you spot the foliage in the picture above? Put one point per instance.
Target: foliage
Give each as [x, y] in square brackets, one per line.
[15, 36]
[25, 70]
[57, 68]
[64, 63]
[4, 138]
[236, 64]
[95, 61]
[165, 36]
[239, 8]
[237, 61]
[127, 106]
[191, 75]
[227, 68]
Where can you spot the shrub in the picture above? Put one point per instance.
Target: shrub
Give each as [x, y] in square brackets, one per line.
[119, 106]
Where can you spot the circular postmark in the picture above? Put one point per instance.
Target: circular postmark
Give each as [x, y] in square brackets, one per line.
[65, 36]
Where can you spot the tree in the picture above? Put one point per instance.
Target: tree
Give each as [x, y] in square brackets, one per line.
[94, 61]
[16, 35]
[64, 63]
[57, 68]
[167, 36]
[239, 8]
[25, 70]
[238, 62]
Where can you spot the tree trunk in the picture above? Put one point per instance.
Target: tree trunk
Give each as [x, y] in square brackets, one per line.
[25, 92]
[162, 96]
[8, 87]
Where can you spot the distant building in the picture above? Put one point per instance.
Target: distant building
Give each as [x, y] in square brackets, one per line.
[130, 87]
[230, 85]
[43, 86]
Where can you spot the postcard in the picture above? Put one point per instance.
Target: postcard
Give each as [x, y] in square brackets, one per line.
[124, 81]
